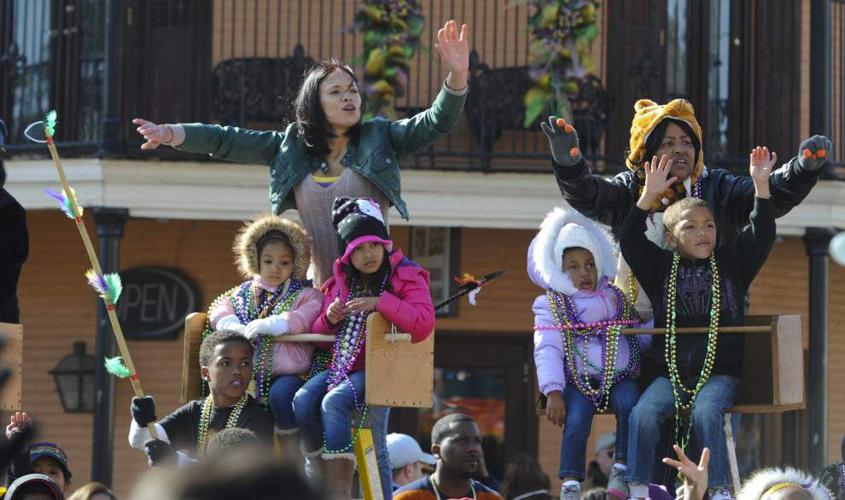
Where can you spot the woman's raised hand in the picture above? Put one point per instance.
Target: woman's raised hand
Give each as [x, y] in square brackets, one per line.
[563, 141]
[155, 135]
[657, 181]
[453, 49]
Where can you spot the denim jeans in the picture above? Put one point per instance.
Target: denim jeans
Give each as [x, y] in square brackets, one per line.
[281, 401]
[319, 412]
[708, 420]
[579, 421]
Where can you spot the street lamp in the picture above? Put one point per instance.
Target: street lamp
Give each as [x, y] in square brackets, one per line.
[74, 376]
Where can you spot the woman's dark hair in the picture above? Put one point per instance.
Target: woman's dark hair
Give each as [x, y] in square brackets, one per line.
[652, 144]
[371, 282]
[311, 122]
[523, 475]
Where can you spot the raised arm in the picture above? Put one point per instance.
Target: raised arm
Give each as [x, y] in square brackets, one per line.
[641, 254]
[225, 143]
[411, 134]
[757, 238]
[606, 201]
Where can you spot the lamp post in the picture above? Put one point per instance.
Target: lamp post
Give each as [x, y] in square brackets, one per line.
[74, 377]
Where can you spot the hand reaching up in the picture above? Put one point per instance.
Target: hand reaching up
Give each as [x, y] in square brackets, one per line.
[657, 181]
[154, 134]
[18, 421]
[761, 163]
[453, 48]
[563, 141]
[813, 152]
[695, 476]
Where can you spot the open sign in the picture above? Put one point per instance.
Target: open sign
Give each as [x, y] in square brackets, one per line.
[154, 302]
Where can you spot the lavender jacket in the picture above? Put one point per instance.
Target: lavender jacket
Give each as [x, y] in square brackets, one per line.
[544, 270]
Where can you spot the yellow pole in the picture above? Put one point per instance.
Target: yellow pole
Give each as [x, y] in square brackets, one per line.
[134, 379]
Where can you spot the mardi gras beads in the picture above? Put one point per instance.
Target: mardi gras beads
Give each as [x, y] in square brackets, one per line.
[566, 317]
[205, 420]
[684, 396]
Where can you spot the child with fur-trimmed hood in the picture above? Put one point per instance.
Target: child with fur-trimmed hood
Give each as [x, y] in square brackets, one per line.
[273, 254]
[576, 335]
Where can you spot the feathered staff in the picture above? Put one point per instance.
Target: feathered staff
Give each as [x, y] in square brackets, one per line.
[107, 285]
[469, 286]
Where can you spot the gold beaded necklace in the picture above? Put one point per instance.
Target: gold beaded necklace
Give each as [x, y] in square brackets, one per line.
[205, 420]
[671, 347]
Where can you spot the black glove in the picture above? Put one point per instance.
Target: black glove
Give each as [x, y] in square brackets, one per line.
[143, 410]
[563, 141]
[159, 453]
[814, 152]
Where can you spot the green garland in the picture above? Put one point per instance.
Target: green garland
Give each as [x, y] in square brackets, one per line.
[559, 54]
[391, 31]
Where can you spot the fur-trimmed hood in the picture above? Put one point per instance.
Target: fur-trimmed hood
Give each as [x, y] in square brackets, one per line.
[246, 245]
[763, 480]
[564, 228]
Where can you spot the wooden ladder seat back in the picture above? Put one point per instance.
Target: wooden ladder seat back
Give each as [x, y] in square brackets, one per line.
[399, 373]
[773, 363]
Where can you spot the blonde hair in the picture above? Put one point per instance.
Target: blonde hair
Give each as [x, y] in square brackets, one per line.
[85, 492]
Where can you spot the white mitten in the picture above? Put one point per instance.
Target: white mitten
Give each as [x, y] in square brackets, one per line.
[231, 322]
[272, 325]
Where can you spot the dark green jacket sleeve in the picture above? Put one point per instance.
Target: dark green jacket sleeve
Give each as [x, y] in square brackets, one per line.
[232, 143]
[410, 134]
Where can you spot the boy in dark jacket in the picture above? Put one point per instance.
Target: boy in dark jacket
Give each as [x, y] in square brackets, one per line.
[14, 245]
[694, 283]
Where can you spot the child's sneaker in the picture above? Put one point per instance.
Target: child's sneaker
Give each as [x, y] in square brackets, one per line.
[721, 494]
[616, 484]
[570, 490]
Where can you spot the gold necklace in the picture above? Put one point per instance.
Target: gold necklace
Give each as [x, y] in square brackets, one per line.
[205, 420]
[437, 492]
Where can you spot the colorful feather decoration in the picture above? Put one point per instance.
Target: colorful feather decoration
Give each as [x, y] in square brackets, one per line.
[108, 286]
[64, 202]
[116, 367]
[50, 123]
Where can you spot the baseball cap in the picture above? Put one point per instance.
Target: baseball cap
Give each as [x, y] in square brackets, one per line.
[606, 441]
[42, 482]
[404, 450]
[51, 450]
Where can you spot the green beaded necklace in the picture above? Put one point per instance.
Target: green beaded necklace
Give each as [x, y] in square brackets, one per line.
[671, 348]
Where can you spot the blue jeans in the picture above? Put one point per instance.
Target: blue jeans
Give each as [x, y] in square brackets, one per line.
[281, 401]
[579, 421]
[319, 411]
[708, 420]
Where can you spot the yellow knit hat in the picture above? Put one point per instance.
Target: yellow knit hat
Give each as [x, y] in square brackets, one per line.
[647, 115]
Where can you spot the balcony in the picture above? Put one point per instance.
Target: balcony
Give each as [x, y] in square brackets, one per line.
[238, 62]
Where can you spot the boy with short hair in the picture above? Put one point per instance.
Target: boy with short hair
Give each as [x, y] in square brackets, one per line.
[226, 359]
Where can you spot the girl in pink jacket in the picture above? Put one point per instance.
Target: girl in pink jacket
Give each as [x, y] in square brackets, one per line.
[273, 253]
[369, 276]
[583, 364]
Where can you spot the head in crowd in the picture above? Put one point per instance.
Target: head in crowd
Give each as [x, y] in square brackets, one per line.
[786, 483]
[524, 477]
[605, 446]
[230, 440]
[93, 491]
[50, 460]
[456, 443]
[226, 365]
[406, 458]
[240, 474]
[34, 487]
[328, 105]
[690, 228]
[273, 249]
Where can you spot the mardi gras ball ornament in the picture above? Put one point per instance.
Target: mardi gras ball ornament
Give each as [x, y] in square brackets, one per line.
[837, 248]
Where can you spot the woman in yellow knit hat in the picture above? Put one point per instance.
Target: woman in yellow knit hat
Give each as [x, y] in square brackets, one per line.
[671, 129]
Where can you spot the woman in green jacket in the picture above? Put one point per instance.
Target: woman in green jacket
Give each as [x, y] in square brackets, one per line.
[327, 152]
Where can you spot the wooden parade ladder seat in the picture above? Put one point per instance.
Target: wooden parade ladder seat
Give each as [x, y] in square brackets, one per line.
[399, 373]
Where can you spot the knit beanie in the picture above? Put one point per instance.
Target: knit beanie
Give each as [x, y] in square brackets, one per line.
[358, 221]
